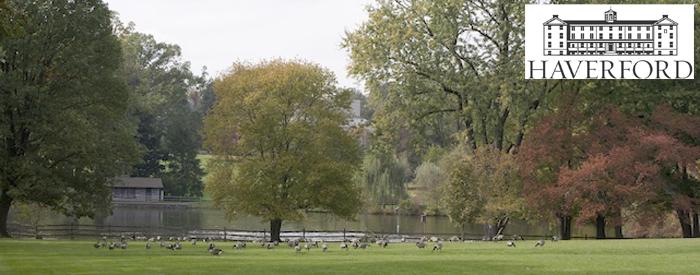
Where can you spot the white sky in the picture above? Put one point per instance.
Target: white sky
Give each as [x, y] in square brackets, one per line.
[215, 33]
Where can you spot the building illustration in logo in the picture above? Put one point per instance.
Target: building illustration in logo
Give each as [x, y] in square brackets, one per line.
[610, 36]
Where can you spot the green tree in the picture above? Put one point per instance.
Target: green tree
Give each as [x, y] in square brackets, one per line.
[164, 97]
[430, 179]
[64, 131]
[32, 214]
[484, 187]
[461, 60]
[384, 178]
[277, 132]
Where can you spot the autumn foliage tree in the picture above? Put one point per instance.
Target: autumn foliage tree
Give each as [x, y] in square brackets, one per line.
[556, 141]
[484, 187]
[616, 162]
[277, 131]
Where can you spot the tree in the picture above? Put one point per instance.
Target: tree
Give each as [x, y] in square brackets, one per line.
[384, 178]
[557, 140]
[430, 178]
[674, 142]
[447, 71]
[32, 214]
[64, 131]
[453, 59]
[642, 164]
[165, 100]
[484, 187]
[277, 131]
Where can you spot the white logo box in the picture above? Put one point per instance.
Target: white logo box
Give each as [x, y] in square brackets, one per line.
[609, 41]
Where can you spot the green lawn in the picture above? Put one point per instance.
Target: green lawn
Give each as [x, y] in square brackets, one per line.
[667, 256]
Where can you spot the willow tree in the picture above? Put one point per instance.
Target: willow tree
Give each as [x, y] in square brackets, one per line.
[459, 62]
[384, 178]
[277, 129]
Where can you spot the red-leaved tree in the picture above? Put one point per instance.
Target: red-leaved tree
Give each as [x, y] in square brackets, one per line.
[555, 142]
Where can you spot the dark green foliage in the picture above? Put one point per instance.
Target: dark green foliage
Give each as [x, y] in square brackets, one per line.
[165, 101]
[63, 108]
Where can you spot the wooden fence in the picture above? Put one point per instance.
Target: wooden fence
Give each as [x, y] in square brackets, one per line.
[82, 231]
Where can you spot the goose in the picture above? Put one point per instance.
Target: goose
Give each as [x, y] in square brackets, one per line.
[364, 245]
[307, 247]
[216, 251]
[510, 244]
[324, 247]
[555, 238]
[539, 243]
[97, 245]
[297, 248]
[420, 244]
[148, 245]
[344, 246]
[437, 246]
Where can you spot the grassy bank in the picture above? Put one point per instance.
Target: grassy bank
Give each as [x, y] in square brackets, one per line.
[669, 256]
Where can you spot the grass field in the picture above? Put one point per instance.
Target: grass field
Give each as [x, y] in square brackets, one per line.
[661, 256]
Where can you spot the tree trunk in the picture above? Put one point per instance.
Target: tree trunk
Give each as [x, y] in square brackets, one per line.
[696, 225]
[618, 232]
[565, 227]
[600, 227]
[501, 225]
[684, 219]
[618, 225]
[275, 228]
[5, 203]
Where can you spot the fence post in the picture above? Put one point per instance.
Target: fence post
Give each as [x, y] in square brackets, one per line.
[70, 230]
[344, 238]
[225, 234]
[303, 233]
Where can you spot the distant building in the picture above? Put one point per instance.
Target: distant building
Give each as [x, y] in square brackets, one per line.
[135, 189]
[610, 36]
[356, 119]
[359, 126]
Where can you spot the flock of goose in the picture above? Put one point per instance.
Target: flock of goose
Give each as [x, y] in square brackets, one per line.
[299, 245]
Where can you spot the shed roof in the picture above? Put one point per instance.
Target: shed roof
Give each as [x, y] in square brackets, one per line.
[137, 182]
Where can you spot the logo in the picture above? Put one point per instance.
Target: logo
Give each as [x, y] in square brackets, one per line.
[609, 42]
